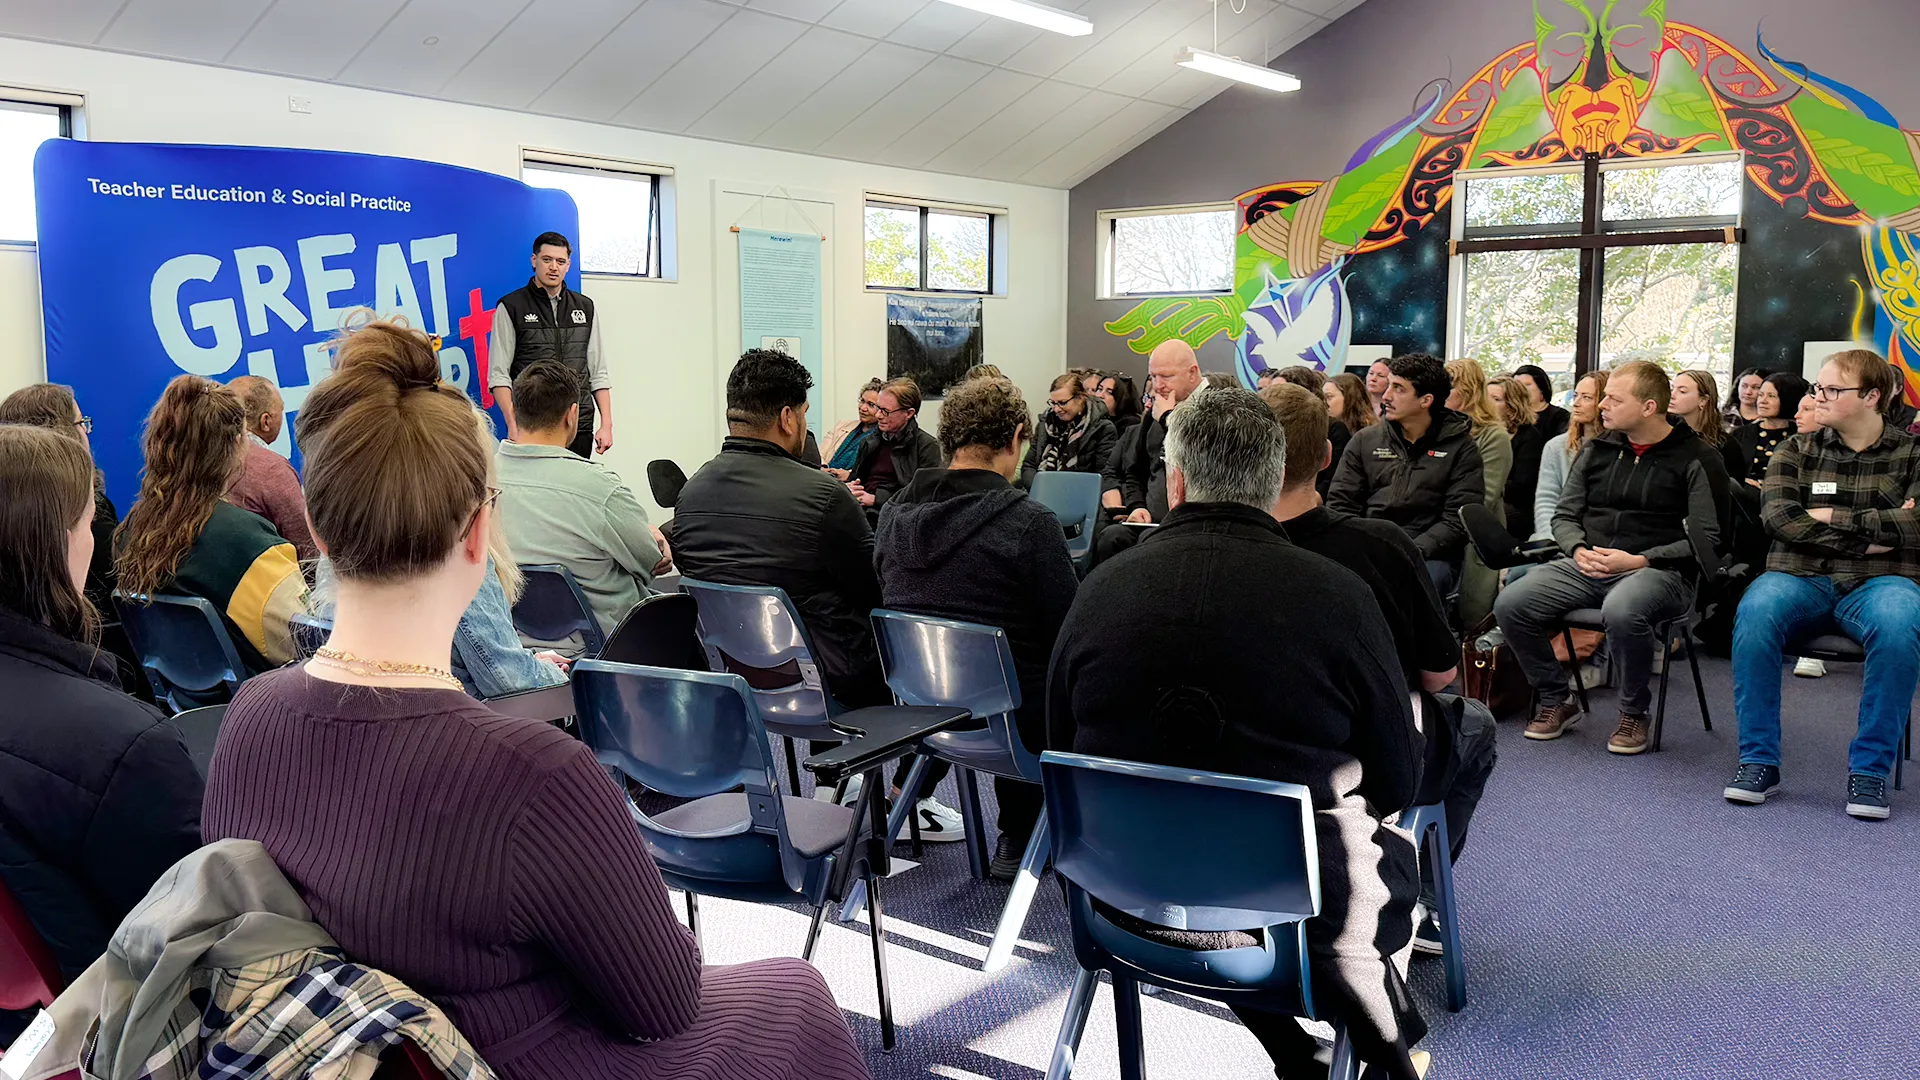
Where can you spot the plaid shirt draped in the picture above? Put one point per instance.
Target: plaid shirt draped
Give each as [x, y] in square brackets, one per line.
[1868, 492]
[302, 1014]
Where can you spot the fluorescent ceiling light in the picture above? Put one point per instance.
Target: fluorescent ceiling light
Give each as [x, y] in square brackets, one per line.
[1025, 11]
[1240, 70]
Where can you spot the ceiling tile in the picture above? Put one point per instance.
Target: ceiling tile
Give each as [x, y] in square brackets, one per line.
[710, 71]
[1182, 84]
[1267, 38]
[187, 29]
[993, 41]
[1330, 9]
[1056, 131]
[78, 22]
[912, 102]
[399, 58]
[1014, 122]
[1102, 143]
[938, 27]
[627, 60]
[1152, 31]
[1050, 52]
[805, 10]
[818, 55]
[956, 118]
[873, 18]
[845, 96]
[312, 40]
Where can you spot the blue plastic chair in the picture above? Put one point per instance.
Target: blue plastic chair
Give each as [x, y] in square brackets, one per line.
[1428, 824]
[553, 609]
[1074, 498]
[309, 633]
[1170, 846]
[931, 661]
[200, 730]
[699, 735]
[183, 647]
[755, 631]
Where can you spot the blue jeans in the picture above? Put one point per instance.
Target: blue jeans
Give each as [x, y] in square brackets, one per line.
[1882, 614]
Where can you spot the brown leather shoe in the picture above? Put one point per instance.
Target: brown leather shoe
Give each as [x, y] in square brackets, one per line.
[1631, 738]
[1552, 721]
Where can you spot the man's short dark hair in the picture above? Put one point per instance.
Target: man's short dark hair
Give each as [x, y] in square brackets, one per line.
[1304, 377]
[1303, 416]
[1426, 373]
[542, 394]
[552, 239]
[762, 383]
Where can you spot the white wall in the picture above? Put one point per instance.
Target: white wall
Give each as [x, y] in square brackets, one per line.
[670, 344]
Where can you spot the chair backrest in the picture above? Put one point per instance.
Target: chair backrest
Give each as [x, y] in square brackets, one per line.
[309, 633]
[200, 729]
[666, 478]
[754, 630]
[1074, 498]
[29, 977]
[183, 646]
[553, 609]
[660, 631]
[931, 661]
[688, 734]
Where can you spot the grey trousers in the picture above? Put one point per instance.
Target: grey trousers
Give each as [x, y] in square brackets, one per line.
[1630, 604]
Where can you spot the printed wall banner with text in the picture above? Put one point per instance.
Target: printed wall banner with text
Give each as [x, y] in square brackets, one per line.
[780, 301]
[933, 340]
[158, 260]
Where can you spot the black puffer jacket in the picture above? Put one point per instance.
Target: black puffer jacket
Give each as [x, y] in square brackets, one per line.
[755, 515]
[97, 793]
[1417, 486]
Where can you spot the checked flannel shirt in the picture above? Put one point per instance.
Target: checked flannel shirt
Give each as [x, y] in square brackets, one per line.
[1867, 490]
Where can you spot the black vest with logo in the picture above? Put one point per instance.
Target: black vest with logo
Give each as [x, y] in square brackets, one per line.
[546, 330]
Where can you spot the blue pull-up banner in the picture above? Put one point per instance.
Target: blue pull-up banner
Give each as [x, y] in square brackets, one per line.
[225, 261]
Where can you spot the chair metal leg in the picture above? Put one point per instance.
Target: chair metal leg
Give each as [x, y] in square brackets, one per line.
[879, 935]
[1013, 918]
[968, 782]
[1660, 709]
[813, 930]
[1573, 662]
[793, 766]
[1439, 856]
[1906, 752]
[1699, 688]
[1073, 1025]
[899, 816]
[1126, 1014]
[693, 919]
[1345, 1065]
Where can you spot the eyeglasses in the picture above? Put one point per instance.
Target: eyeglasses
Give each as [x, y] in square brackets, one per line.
[493, 497]
[1828, 393]
[85, 424]
[884, 411]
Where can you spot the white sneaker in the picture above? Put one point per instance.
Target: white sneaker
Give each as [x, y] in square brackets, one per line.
[847, 798]
[939, 823]
[1594, 674]
[1808, 668]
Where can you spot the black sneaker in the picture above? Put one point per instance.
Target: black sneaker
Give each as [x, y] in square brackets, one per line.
[1867, 797]
[1426, 933]
[1006, 859]
[1752, 783]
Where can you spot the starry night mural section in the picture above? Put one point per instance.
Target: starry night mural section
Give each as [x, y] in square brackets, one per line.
[1800, 280]
[1399, 294]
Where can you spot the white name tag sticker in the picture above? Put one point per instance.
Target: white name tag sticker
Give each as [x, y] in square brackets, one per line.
[1826, 487]
[27, 1047]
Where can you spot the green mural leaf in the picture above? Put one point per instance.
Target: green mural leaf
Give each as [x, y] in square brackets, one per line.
[1192, 319]
[1518, 119]
[1510, 118]
[1680, 106]
[1877, 167]
[1871, 164]
[1362, 195]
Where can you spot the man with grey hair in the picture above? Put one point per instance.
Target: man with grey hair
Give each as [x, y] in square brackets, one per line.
[1167, 658]
[266, 483]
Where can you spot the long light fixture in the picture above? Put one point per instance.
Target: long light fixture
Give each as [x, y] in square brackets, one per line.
[1239, 70]
[1025, 11]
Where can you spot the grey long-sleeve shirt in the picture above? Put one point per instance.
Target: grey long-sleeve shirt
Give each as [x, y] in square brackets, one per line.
[500, 354]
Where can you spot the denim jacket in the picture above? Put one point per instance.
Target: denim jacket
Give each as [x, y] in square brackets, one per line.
[488, 658]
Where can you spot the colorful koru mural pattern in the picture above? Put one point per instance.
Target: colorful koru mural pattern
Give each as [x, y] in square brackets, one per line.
[1601, 77]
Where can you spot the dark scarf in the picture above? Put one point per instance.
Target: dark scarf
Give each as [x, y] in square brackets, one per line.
[1063, 441]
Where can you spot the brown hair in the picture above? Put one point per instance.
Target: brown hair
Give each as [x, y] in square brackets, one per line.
[49, 484]
[1578, 432]
[905, 391]
[192, 446]
[1470, 379]
[1516, 405]
[1874, 373]
[1303, 416]
[46, 405]
[395, 469]
[979, 371]
[1068, 381]
[1706, 420]
[1356, 405]
[1302, 375]
[984, 412]
[1649, 383]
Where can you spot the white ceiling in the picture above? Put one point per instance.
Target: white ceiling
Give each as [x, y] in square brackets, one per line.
[912, 83]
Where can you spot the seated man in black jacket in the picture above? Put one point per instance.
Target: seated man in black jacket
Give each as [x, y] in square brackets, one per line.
[758, 515]
[1459, 731]
[964, 543]
[895, 450]
[1416, 470]
[1623, 520]
[1167, 658]
[1074, 434]
[1141, 495]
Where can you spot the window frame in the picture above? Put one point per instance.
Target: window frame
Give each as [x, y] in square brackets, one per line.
[1106, 231]
[661, 246]
[69, 107]
[995, 217]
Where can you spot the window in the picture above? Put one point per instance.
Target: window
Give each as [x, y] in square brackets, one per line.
[932, 247]
[620, 209]
[24, 125]
[1178, 251]
[1584, 266]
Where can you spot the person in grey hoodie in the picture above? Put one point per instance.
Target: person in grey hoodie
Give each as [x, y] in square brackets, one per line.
[964, 543]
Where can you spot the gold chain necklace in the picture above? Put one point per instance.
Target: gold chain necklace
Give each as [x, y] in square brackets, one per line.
[382, 669]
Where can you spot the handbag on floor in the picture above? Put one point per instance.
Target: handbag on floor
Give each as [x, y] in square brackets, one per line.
[1491, 675]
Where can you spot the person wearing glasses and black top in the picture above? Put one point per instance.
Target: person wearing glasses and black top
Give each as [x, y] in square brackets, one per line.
[895, 451]
[1070, 437]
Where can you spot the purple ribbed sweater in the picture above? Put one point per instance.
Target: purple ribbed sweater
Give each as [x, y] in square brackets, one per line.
[489, 864]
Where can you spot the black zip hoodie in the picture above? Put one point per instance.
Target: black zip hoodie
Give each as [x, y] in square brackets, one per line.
[1641, 503]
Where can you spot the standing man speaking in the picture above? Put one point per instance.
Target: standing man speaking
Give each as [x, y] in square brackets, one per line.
[548, 321]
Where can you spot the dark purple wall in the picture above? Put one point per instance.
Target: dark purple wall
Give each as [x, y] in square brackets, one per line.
[1364, 72]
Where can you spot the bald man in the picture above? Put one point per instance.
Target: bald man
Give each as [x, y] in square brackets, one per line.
[1137, 483]
[266, 484]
